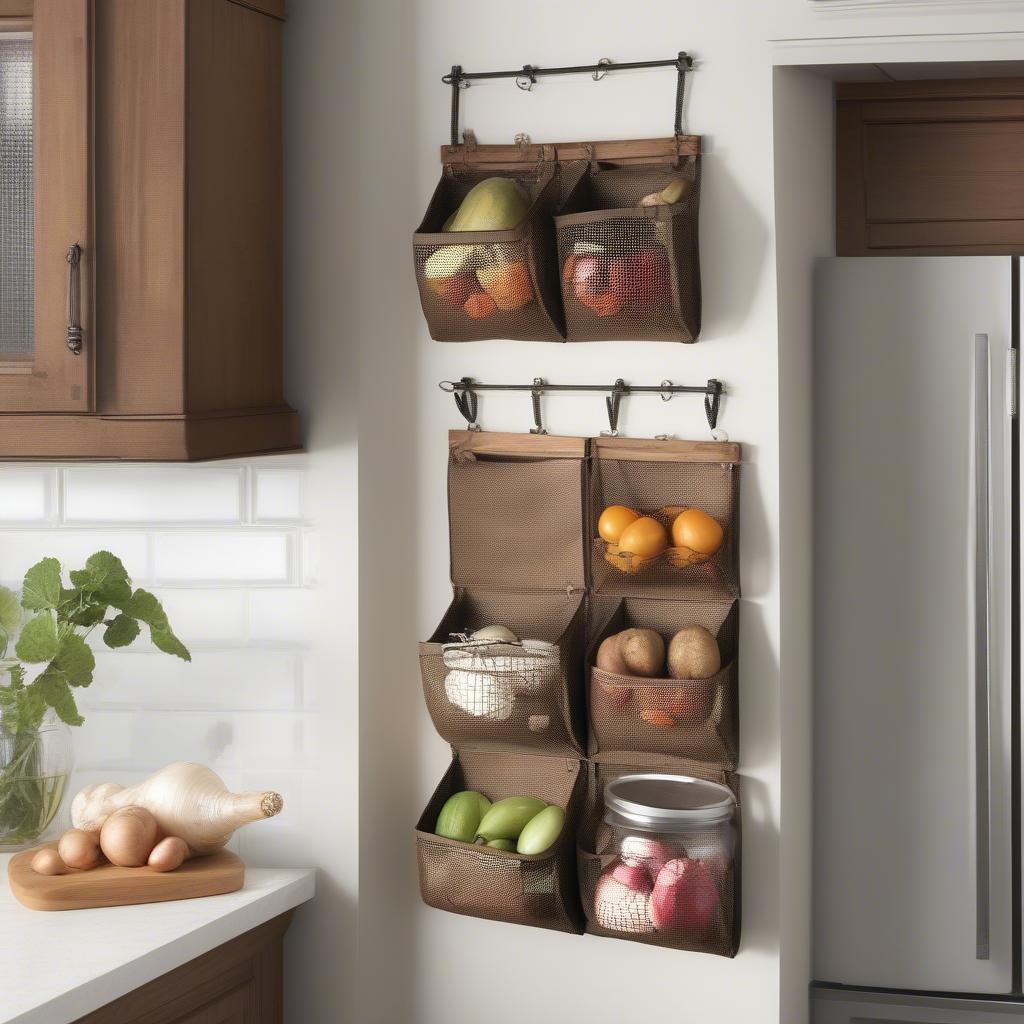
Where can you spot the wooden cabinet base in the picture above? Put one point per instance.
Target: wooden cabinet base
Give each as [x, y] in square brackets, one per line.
[148, 438]
[237, 983]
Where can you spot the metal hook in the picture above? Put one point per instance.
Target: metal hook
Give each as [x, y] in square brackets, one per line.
[528, 79]
[466, 403]
[612, 405]
[712, 401]
[538, 386]
[598, 75]
[666, 396]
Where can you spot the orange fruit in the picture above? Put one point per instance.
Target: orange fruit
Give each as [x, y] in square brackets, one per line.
[645, 537]
[697, 531]
[614, 519]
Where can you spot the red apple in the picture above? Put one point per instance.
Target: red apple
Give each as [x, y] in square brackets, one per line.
[684, 898]
[639, 279]
[589, 276]
[640, 851]
[633, 876]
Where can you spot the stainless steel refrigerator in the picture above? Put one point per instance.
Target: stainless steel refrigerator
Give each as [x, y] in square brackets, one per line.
[916, 770]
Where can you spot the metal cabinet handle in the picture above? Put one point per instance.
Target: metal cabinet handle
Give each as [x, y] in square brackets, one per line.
[980, 588]
[74, 258]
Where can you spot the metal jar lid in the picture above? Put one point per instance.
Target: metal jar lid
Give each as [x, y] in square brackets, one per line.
[666, 803]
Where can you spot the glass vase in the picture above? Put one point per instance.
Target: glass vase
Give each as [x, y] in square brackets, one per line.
[34, 769]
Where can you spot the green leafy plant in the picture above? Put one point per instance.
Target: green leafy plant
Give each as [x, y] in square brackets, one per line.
[48, 628]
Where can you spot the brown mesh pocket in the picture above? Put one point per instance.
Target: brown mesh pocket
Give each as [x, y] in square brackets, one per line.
[631, 272]
[506, 696]
[540, 890]
[695, 719]
[490, 284]
[660, 482]
[708, 920]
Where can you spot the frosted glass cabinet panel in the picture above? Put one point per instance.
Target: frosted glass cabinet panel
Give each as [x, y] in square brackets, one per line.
[47, 355]
[17, 250]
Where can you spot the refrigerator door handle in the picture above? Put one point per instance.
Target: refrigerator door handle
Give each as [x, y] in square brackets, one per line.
[980, 574]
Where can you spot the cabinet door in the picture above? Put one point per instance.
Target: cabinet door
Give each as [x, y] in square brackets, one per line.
[228, 1009]
[44, 206]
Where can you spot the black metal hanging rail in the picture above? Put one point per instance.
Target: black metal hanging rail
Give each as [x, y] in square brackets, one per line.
[526, 77]
[465, 390]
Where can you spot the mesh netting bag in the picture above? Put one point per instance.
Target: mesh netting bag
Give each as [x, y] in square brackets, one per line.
[693, 719]
[630, 271]
[491, 284]
[539, 890]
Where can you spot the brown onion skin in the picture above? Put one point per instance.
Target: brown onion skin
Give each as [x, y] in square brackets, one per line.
[80, 850]
[48, 862]
[169, 854]
[128, 837]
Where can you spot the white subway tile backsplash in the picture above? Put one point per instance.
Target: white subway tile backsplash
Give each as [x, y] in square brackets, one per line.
[142, 494]
[229, 552]
[282, 615]
[217, 615]
[279, 495]
[249, 679]
[26, 494]
[20, 549]
[253, 556]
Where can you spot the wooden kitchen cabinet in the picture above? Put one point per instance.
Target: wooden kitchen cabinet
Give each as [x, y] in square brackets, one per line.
[237, 983]
[142, 137]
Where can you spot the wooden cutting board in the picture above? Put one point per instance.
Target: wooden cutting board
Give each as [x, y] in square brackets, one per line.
[110, 886]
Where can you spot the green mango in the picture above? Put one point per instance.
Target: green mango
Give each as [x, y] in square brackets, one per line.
[461, 815]
[508, 845]
[541, 831]
[507, 818]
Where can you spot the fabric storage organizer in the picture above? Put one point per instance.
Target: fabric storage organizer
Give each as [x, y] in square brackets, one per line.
[578, 191]
[522, 515]
[476, 285]
[622, 913]
[514, 720]
[676, 726]
[539, 890]
[693, 719]
[627, 271]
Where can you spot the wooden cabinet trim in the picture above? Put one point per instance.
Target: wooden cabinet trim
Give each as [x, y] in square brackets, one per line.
[224, 979]
[273, 8]
[15, 9]
[929, 168]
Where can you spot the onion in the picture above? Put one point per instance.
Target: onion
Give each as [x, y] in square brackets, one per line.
[128, 837]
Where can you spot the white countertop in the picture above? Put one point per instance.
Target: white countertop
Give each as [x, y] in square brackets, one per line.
[58, 966]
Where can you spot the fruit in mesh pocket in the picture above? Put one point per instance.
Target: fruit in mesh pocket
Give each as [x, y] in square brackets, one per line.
[506, 278]
[696, 536]
[639, 545]
[684, 900]
[639, 278]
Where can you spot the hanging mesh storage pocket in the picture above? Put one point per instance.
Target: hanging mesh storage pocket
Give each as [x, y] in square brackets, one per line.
[694, 906]
[630, 271]
[490, 284]
[661, 481]
[525, 696]
[539, 890]
[694, 719]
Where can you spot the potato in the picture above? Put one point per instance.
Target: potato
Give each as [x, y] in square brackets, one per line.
[693, 654]
[48, 862]
[643, 651]
[609, 659]
[128, 836]
[79, 849]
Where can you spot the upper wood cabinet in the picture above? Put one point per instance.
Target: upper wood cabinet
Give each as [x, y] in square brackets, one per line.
[141, 229]
[930, 168]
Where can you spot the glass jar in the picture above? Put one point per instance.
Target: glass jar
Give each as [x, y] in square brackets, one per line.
[668, 848]
[35, 765]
